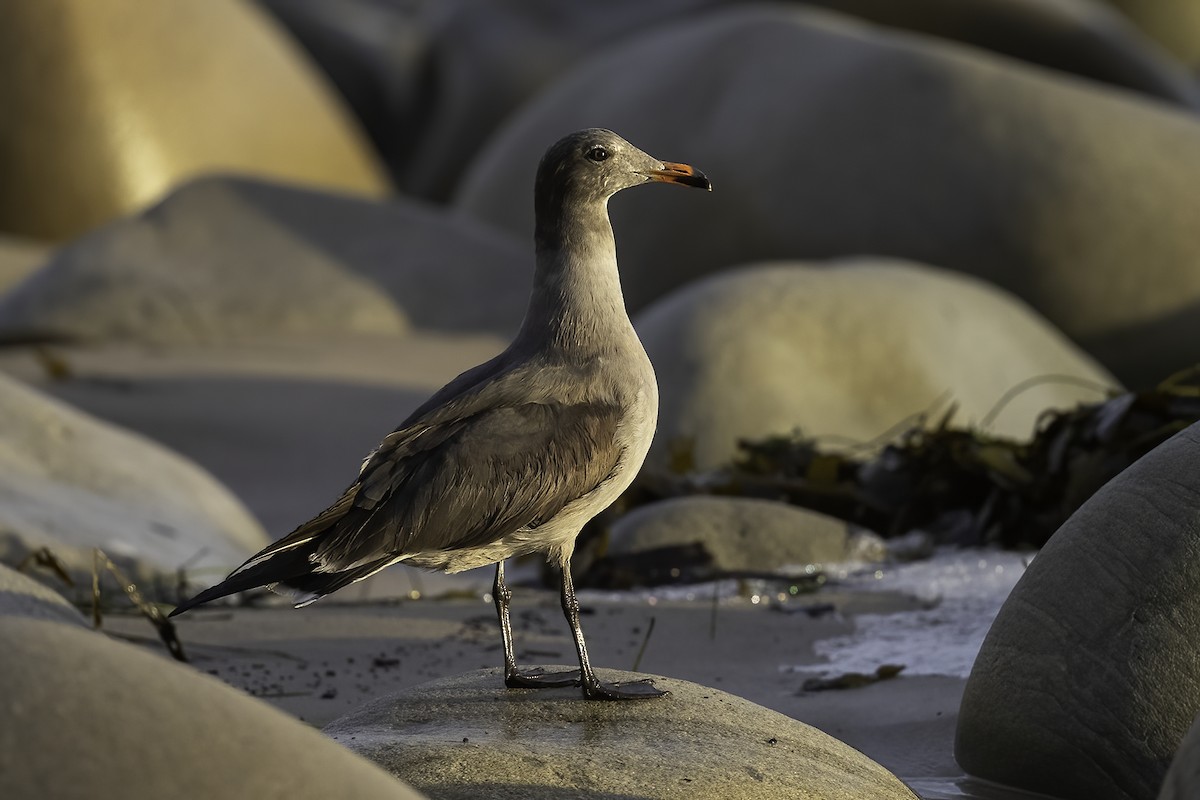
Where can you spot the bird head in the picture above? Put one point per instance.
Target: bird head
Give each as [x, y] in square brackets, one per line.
[594, 164]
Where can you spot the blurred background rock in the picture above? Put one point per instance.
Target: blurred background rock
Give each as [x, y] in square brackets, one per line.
[108, 105]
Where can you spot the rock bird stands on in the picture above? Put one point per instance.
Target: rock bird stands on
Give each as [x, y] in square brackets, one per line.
[515, 455]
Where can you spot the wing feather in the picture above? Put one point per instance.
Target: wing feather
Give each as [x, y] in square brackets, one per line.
[473, 481]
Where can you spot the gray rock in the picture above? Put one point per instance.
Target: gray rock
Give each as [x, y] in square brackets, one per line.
[108, 105]
[1089, 677]
[431, 80]
[469, 737]
[87, 718]
[890, 144]
[19, 258]
[1183, 778]
[72, 483]
[224, 259]
[846, 350]
[1079, 37]
[1176, 24]
[739, 533]
[21, 596]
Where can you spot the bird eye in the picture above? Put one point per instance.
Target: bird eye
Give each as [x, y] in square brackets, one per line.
[597, 154]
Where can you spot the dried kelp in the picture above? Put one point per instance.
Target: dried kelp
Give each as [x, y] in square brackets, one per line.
[852, 680]
[961, 484]
[46, 558]
[164, 626]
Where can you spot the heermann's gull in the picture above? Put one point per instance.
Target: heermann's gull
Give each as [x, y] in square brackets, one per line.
[515, 455]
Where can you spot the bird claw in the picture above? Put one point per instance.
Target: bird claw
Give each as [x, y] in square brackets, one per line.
[537, 679]
[643, 689]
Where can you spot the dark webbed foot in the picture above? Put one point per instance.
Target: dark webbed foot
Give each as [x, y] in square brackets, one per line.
[538, 679]
[629, 690]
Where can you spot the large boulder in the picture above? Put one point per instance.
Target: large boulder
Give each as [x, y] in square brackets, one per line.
[1077, 199]
[24, 597]
[850, 350]
[19, 258]
[1183, 778]
[106, 105]
[227, 259]
[431, 80]
[1080, 37]
[72, 483]
[87, 718]
[1174, 23]
[1089, 677]
[740, 534]
[469, 737]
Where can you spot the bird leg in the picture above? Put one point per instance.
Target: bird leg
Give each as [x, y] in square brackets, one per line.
[530, 679]
[593, 687]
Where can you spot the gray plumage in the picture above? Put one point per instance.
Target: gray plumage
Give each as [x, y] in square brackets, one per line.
[517, 454]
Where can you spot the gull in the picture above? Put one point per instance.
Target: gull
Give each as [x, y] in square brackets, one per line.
[514, 456]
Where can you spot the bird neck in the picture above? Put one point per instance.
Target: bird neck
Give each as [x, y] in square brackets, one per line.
[576, 286]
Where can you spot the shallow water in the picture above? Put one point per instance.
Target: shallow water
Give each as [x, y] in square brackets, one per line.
[961, 591]
[965, 788]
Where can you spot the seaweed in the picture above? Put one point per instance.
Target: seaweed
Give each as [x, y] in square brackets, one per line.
[852, 680]
[164, 627]
[968, 487]
[960, 484]
[46, 558]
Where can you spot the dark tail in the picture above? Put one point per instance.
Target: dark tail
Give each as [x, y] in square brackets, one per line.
[282, 567]
[287, 572]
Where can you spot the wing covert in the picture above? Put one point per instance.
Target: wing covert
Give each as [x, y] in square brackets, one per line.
[470, 481]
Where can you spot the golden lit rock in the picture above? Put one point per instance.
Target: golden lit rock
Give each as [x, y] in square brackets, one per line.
[107, 105]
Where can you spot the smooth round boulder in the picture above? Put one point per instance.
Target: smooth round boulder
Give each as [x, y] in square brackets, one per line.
[469, 737]
[227, 259]
[1079, 37]
[107, 105]
[19, 258]
[88, 718]
[1183, 778]
[21, 596]
[431, 80]
[741, 534]
[1174, 23]
[1089, 677]
[72, 483]
[848, 349]
[889, 144]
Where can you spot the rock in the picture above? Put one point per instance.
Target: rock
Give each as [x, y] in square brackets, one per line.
[19, 258]
[432, 80]
[73, 483]
[469, 737]
[1176, 25]
[1089, 677]
[1079, 37]
[1183, 778]
[894, 145]
[740, 534]
[87, 718]
[228, 259]
[107, 105]
[24, 597]
[846, 350]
